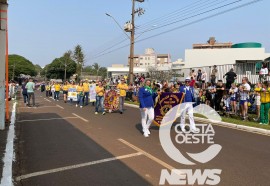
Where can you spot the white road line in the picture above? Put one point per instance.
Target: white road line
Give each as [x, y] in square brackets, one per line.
[38, 107]
[8, 157]
[77, 166]
[45, 119]
[60, 106]
[148, 155]
[47, 100]
[80, 117]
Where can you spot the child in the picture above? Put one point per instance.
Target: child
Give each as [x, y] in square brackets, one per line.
[233, 92]
[265, 102]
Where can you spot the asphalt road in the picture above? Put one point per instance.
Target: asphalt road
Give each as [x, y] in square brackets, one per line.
[59, 144]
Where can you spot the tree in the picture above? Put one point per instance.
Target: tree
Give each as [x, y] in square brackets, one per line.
[56, 69]
[96, 68]
[20, 65]
[79, 59]
[160, 75]
[38, 69]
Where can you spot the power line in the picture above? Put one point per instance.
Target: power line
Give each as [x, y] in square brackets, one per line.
[192, 16]
[182, 26]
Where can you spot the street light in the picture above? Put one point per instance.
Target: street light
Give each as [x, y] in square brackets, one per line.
[119, 26]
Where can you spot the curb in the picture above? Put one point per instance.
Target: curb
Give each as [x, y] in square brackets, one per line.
[225, 124]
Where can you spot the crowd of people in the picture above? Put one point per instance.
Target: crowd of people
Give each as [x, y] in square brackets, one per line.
[227, 98]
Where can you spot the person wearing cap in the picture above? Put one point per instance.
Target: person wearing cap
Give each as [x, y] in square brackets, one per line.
[122, 88]
[146, 95]
[86, 89]
[188, 99]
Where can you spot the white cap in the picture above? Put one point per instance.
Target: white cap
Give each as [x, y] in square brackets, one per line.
[187, 79]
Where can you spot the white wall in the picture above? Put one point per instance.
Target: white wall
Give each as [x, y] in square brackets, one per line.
[210, 57]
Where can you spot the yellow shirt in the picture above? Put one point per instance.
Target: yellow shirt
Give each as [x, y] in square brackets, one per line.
[48, 87]
[100, 90]
[265, 95]
[57, 87]
[65, 87]
[86, 87]
[122, 88]
[79, 88]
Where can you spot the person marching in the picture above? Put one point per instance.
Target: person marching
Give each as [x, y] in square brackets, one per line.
[265, 103]
[146, 107]
[80, 93]
[57, 91]
[122, 87]
[188, 99]
[65, 91]
[86, 89]
[48, 88]
[100, 91]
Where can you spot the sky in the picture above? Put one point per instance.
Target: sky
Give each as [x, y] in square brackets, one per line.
[44, 30]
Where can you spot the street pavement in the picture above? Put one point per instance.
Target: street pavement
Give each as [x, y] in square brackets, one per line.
[59, 144]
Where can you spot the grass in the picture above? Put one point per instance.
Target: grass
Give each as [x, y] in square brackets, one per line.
[235, 120]
[238, 121]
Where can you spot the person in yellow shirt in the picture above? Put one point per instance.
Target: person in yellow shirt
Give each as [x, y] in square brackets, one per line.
[57, 90]
[48, 89]
[122, 88]
[100, 91]
[65, 91]
[265, 103]
[86, 89]
[80, 93]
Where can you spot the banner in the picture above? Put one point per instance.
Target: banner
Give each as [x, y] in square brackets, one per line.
[164, 103]
[72, 94]
[92, 92]
[111, 102]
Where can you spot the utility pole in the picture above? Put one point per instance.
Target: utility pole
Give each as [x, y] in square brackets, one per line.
[132, 33]
[140, 11]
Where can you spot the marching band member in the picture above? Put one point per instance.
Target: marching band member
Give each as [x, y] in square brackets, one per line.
[122, 87]
[188, 99]
[100, 91]
[146, 107]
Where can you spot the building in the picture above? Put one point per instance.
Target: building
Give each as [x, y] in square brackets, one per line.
[245, 58]
[150, 59]
[212, 44]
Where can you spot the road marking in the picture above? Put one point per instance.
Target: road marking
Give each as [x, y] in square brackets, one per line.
[60, 106]
[46, 119]
[147, 155]
[76, 166]
[80, 117]
[47, 100]
[8, 157]
[38, 107]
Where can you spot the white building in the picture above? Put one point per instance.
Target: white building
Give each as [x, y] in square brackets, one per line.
[245, 58]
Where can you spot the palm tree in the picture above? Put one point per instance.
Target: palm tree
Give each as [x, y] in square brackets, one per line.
[79, 58]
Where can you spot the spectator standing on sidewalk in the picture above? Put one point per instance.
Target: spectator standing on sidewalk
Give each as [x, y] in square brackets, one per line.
[214, 74]
[244, 90]
[258, 100]
[230, 78]
[265, 103]
[24, 93]
[30, 86]
[263, 73]
[204, 79]
[122, 88]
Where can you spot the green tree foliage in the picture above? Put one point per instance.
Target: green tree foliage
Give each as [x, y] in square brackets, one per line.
[38, 68]
[20, 65]
[96, 70]
[78, 56]
[56, 69]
